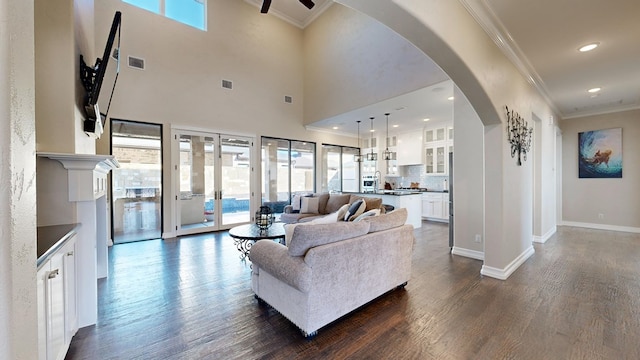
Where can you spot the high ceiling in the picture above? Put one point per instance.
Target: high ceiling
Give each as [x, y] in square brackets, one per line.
[541, 38]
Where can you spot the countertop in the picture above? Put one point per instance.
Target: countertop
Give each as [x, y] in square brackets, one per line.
[51, 238]
[387, 192]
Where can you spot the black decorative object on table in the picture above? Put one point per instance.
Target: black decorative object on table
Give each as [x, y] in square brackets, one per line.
[264, 218]
[518, 135]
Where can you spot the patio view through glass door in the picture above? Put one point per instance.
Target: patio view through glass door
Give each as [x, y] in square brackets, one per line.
[136, 186]
[214, 182]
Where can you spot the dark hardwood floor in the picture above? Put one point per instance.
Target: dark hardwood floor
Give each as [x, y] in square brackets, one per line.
[578, 297]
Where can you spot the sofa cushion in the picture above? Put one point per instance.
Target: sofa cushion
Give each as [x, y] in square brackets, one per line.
[311, 235]
[372, 203]
[322, 203]
[395, 218]
[335, 202]
[309, 205]
[342, 211]
[373, 212]
[355, 210]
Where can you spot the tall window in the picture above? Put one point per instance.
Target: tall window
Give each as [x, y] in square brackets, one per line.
[340, 172]
[288, 167]
[190, 12]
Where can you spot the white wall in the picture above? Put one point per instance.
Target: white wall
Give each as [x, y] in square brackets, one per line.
[58, 43]
[617, 199]
[352, 60]
[449, 35]
[468, 179]
[181, 85]
[18, 311]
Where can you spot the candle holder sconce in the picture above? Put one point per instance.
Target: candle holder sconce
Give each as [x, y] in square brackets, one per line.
[264, 218]
[518, 135]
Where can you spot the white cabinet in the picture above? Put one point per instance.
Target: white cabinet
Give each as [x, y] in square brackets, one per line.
[436, 159]
[409, 149]
[57, 315]
[435, 206]
[438, 145]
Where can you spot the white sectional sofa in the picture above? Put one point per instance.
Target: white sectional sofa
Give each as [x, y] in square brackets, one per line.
[328, 270]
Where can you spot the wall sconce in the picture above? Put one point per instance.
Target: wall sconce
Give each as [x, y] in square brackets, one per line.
[358, 156]
[372, 156]
[518, 134]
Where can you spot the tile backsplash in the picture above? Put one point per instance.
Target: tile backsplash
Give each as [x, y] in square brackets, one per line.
[415, 173]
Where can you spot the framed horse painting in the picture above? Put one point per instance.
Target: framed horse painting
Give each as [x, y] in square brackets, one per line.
[600, 153]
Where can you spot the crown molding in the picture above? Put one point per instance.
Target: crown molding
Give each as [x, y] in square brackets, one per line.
[492, 26]
[289, 19]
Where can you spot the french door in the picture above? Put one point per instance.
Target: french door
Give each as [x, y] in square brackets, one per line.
[213, 173]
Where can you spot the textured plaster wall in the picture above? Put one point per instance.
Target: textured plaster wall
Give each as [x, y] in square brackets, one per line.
[618, 200]
[18, 312]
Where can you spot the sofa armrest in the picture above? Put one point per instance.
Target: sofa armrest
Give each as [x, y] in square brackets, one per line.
[288, 209]
[274, 258]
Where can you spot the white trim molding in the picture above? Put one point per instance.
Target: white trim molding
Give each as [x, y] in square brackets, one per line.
[473, 254]
[503, 274]
[629, 229]
[543, 239]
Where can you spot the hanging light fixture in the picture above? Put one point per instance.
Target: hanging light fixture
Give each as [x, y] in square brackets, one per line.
[386, 154]
[358, 157]
[372, 156]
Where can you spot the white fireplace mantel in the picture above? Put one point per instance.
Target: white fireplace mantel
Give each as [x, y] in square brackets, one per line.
[87, 173]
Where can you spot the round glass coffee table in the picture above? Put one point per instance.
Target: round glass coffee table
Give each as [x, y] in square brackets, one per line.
[244, 236]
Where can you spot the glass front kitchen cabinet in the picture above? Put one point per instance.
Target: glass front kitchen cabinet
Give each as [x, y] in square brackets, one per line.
[436, 159]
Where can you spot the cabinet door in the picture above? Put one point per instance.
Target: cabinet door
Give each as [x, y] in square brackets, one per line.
[55, 296]
[429, 156]
[41, 282]
[70, 292]
[440, 134]
[440, 160]
[445, 206]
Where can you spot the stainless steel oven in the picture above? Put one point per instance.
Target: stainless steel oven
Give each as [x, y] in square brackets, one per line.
[368, 183]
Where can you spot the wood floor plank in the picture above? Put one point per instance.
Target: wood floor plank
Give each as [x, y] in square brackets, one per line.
[577, 297]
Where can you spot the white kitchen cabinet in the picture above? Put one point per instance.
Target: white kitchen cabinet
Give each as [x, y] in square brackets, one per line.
[435, 206]
[437, 146]
[57, 314]
[409, 149]
[436, 159]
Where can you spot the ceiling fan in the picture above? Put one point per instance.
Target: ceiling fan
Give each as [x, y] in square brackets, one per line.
[266, 3]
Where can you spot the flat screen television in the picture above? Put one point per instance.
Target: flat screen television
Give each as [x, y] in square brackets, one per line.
[92, 80]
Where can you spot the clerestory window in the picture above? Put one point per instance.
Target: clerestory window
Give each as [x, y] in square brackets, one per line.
[190, 12]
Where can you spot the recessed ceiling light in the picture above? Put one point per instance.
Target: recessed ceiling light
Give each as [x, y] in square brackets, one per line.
[427, 119]
[335, 128]
[396, 125]
[588, 47]
[594, 90]
[372, 130]
[450, 98]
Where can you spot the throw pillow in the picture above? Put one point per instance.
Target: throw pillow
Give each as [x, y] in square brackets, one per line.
[343, 211]
[355, 209]
[374, 212]
[309, 205]
[295, 202]
[327, 219]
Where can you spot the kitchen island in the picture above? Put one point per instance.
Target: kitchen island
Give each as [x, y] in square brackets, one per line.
[410, 200]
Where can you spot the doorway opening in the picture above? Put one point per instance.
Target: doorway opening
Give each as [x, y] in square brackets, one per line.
[136, 187]
[213, 181]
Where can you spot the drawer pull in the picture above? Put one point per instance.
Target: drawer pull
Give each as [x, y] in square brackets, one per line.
[70, 253]
[53, 274]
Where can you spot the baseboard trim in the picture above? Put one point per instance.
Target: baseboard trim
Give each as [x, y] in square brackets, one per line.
[601, 226]
[543, 239]
[473, 254]
[503, 274]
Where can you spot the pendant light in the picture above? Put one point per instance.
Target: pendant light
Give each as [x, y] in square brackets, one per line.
[372, 156]
[386, 154]
[358, 157]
